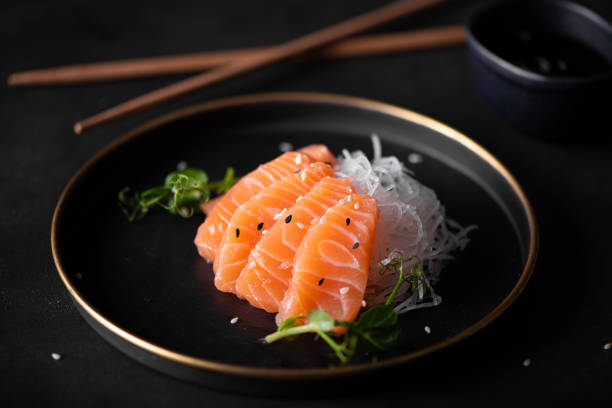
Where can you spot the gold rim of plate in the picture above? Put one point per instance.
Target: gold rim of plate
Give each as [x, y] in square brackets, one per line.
[305, 373]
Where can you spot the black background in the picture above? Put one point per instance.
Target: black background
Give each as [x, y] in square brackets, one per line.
[561, 322]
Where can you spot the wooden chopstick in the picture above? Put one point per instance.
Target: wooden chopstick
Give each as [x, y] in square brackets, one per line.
[286, 50]
[197, 62]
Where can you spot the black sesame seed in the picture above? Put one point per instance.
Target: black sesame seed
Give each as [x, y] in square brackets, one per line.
[297, 171]
[259, 226]
[348, 221]
[356, 245]
[237, 232]
[328, 163]
[288, 219]
[320, 282]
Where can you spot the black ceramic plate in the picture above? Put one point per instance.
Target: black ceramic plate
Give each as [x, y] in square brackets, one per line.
[143, 287]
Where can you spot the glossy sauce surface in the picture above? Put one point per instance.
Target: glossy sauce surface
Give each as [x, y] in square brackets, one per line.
[546, 53]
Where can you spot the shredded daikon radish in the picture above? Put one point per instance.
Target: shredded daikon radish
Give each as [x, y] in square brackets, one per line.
[411, 221]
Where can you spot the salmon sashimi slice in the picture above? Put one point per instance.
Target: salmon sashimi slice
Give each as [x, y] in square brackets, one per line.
[255, 217]
[266, 276]
[320, 152]
[211, 231]
[332, 263]
[317, 152]
[208, 206]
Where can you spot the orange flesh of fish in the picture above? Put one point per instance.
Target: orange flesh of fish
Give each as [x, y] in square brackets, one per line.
[250, 221]
[332, 263]
[317, 152]
[212, 230]
[320, 153]
[266, 276]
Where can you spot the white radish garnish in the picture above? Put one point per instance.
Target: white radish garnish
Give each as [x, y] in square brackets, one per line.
[412, 221]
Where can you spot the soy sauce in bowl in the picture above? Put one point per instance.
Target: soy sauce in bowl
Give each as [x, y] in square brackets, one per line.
[546, 53]
[544, 66]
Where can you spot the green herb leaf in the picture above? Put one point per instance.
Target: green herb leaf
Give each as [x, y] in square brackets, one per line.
[195, 178]
[377, 317]
[374, 331]
[378, 339]
[321, 320]
[181, 194]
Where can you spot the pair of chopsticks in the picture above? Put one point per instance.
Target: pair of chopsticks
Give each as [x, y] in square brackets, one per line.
[227, 64]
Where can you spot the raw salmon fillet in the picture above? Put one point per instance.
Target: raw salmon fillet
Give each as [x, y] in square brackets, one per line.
[253, 219]
[332, 263]
[266, 276]
[320, 153]
[211, 231]
[317, 152]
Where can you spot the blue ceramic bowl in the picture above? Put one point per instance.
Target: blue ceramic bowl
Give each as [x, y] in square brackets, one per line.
[545, 66]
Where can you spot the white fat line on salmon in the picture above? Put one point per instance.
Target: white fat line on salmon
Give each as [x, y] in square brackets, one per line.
[338, 281]
[280, 214]
[347, 233]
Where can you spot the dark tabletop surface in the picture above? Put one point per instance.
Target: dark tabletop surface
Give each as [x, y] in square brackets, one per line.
[561, 321]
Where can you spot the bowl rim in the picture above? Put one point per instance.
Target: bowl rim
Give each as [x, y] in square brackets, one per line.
[525, 77]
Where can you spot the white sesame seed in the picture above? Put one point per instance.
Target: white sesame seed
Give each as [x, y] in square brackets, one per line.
[298, 159]
[285, 147]
[323, 219]
[344, 290]
[607, 346]
[303, 175]
[234, 320]
[280, 214]
[349, 199]
[184, 212]
[299, 225]
[78, 276]
[299, 198]
[527, 362]
[415, 158]
[211, 229]
[356, 205]
[56, 356]
[342, 202]
[363, 303]
[182, 165]
[427, 329]
[252, 264]
[264, 232]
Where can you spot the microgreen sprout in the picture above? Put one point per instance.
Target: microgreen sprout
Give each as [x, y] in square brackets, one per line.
[374, 331]
[181, 194]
